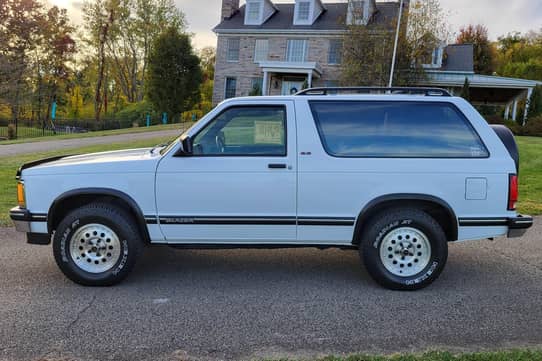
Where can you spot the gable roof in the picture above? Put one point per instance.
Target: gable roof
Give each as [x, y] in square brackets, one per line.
[333, 18]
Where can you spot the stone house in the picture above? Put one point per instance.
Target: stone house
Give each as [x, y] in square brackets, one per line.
[274, 49]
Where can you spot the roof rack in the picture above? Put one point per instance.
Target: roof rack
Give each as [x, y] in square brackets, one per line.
[375, 90]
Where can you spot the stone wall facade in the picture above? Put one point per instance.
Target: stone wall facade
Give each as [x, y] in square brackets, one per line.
[245, 71]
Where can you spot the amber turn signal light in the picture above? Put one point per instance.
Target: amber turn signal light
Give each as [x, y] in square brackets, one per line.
[20, 195]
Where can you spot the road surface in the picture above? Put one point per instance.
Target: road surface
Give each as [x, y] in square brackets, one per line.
[251, 304]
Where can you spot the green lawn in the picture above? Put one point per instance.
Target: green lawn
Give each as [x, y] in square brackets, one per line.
[530, 172]
[530, 175]
[98, 133]
[517, 355]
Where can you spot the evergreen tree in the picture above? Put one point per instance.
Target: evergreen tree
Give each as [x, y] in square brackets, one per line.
[535, 103]
[174, 75]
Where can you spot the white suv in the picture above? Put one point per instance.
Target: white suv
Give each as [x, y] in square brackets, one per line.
[396, 173]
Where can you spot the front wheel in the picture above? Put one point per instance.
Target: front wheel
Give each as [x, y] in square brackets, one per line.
[404, 249]
[96, 245]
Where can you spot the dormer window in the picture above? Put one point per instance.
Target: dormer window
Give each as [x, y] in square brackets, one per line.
[258, 11]
[303, 10]
[360, 11]
[434, 59]
[253, 15]
[307, 11]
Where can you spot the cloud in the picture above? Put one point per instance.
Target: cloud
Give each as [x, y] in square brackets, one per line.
[499, 16]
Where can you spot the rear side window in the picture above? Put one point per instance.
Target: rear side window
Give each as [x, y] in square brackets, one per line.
[395, 130]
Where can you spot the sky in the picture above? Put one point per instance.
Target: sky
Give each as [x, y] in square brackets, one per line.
[499, 16]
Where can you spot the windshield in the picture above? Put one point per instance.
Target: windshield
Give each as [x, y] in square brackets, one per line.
[176, 140]
[172, 143]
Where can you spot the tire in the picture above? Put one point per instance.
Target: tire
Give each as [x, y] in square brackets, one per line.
[404, 249]
[96, 245]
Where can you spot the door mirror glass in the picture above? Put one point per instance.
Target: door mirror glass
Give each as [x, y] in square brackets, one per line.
[186, 143]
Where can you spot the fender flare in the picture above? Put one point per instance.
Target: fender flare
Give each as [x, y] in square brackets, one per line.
[367, 211]
[94, 191]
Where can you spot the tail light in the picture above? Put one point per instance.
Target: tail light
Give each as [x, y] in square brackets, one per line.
[513, 192]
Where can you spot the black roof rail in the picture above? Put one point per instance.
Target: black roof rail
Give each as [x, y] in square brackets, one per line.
[375, 90]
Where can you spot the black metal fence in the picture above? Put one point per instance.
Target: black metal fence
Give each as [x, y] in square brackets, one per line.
[31, 129]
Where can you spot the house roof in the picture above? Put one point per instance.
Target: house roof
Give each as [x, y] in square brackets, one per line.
[333, 18]
[460, 57]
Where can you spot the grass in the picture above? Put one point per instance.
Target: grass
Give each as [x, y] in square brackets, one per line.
[530, 172]
[99, 133]
[530, 175]
[516, 355]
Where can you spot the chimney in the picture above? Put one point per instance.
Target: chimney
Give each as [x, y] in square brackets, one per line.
[229, 8]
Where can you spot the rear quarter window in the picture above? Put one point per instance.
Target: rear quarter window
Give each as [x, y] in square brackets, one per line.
[395, 130]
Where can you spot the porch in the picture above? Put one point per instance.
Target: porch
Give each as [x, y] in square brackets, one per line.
[485, 89]
[285, 78]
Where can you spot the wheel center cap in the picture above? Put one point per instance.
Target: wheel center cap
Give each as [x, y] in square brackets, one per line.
[405, 252]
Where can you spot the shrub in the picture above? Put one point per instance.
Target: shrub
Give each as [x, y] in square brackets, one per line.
[12, 131]
[137, 112]
[513, 126]
[533, 127]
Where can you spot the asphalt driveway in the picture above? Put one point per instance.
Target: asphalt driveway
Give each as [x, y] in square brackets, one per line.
[251, 304]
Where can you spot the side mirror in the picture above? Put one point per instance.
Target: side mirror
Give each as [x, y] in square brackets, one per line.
[186, 143]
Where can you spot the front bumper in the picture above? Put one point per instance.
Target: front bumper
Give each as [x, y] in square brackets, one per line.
[23, 219]
[517, 226]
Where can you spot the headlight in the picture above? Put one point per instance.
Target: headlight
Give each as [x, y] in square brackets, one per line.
[20, 194]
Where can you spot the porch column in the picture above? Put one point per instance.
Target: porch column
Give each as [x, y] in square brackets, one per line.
[515, 110]
[265, 85]
[309, 79]
[507, 111]
[529, 95]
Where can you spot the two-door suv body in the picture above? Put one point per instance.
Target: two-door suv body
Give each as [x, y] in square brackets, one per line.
[395, 173]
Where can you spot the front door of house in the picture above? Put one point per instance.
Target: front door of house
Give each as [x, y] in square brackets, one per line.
[292, 85]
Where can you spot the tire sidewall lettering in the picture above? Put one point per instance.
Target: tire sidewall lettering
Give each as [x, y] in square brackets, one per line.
[66, 239]
[124, 259]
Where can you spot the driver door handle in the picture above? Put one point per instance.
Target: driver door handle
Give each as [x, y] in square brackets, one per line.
[276, 166]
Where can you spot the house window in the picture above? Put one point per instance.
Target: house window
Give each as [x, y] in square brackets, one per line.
[356, 12]
[260, 50]
[231, 85]
[257, 85]
[335, 51]
[253, 12]
[303, 10]
[233, 49]
[296, 50]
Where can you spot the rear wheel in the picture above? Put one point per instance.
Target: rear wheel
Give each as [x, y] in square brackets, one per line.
[404, 249]
[96, 245]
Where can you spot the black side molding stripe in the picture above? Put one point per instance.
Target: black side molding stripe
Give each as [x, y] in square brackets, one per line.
[228, 220]
[325, 221]
[304, 221]
[151, 220]
[482, 222]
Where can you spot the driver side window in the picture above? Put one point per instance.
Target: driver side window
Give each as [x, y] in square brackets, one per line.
[244, 131]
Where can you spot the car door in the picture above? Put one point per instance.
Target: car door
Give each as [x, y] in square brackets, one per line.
[239, 184]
